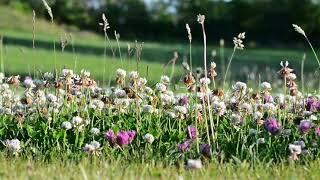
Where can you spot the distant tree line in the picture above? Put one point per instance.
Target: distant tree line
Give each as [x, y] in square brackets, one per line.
[265, 21]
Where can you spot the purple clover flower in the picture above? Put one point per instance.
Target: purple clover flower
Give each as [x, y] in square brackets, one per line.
[132, 136]
[205, 149]
[312, 104]
[317, 131]
[184, 147]
[184, 101]
[273, 126]
[123, 138]
[305, 126]
[111, 137]
[192, 132]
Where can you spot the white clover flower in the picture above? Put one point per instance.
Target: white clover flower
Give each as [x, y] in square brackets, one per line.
[48, 76]
[28, 82]
[219, 107]
[97, 104]
[142, 82]
[291, 76]
[161, 87]
[240, 86]
[66, 125]
[172, 114]
[120, 93]
[121, 73]
[1, 77]
[194, 164]
[269, 107]
[148, 91]
[147, 108]
[85, 73]
[165, 80]
[295, 149]
[92, 148]
[313, 117]
[13, 145]
[205, 81]
[266, 86]
[181, 109]
[4, 86]
[52, 98]
[149, 138]
[133, 75]
[95, 131]
[257, 115]
[77, 120]
[246, 107]
[67, 72]
[213, 64]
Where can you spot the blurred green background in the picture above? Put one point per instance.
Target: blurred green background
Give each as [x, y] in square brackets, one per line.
[160, 26]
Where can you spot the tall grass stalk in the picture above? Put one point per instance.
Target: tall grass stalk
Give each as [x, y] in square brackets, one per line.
[301, 31]
[1, 54]
[302, 71]
[201, 19]
[117, 36]
[221, 43]
[228, 67]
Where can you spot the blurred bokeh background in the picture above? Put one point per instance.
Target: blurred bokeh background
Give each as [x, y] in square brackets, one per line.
[160, 24]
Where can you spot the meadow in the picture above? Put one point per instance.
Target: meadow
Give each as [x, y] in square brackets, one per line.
[146, 113]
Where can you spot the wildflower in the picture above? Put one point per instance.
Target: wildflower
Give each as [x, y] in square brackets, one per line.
[268, 98]
[265, 86]
[205, 149]
[92, 148]
[132, 136]
[110, 136]
[133, 75]
[312, 104]
[147, 108]
[299, 29]
[194, 164]
[52, 98]
[149, 138]
[192, 132]
[273, 126]
[161, 87]
[165, 80]
[48, 76]
[120, 93]
[28, 82]
[219, 108]
[67, 72]
[13, 145]
[240, 86]
[76, 121]
[295, 150]
[205, 81]
[85, 73]
[305, 126]
[300, 143]
[236, 120]
[66, 125]
[95, 131]
[185, 146]
[181, 109]
[184, 100]
[317, 131]
[121, 73]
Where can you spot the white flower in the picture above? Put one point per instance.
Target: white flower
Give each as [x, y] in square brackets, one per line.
[240, 86]
[52, 98]
[257, 115]
[219, 108]
[161, 87]
[181, 109]
[291, 76]
[246, 107]
[148, 90]
[92, 147]
[95, 131]
[149, 138]
[133, 75]
[66, 125]
[48, 76]
[165, 80]
[13, 145]
[67, 72]
[77, 120]
[97, 104]
[213, 64]
[194, 164]
[299, 29]
[295, 149]
[121, 73]
[261, 141]
[172, 114]
[120, 93]
[265, 86]
[269, 107]
[147, 108]
[85, 73]
[205, 81]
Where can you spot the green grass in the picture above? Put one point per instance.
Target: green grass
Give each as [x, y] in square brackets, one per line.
[29, 169]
